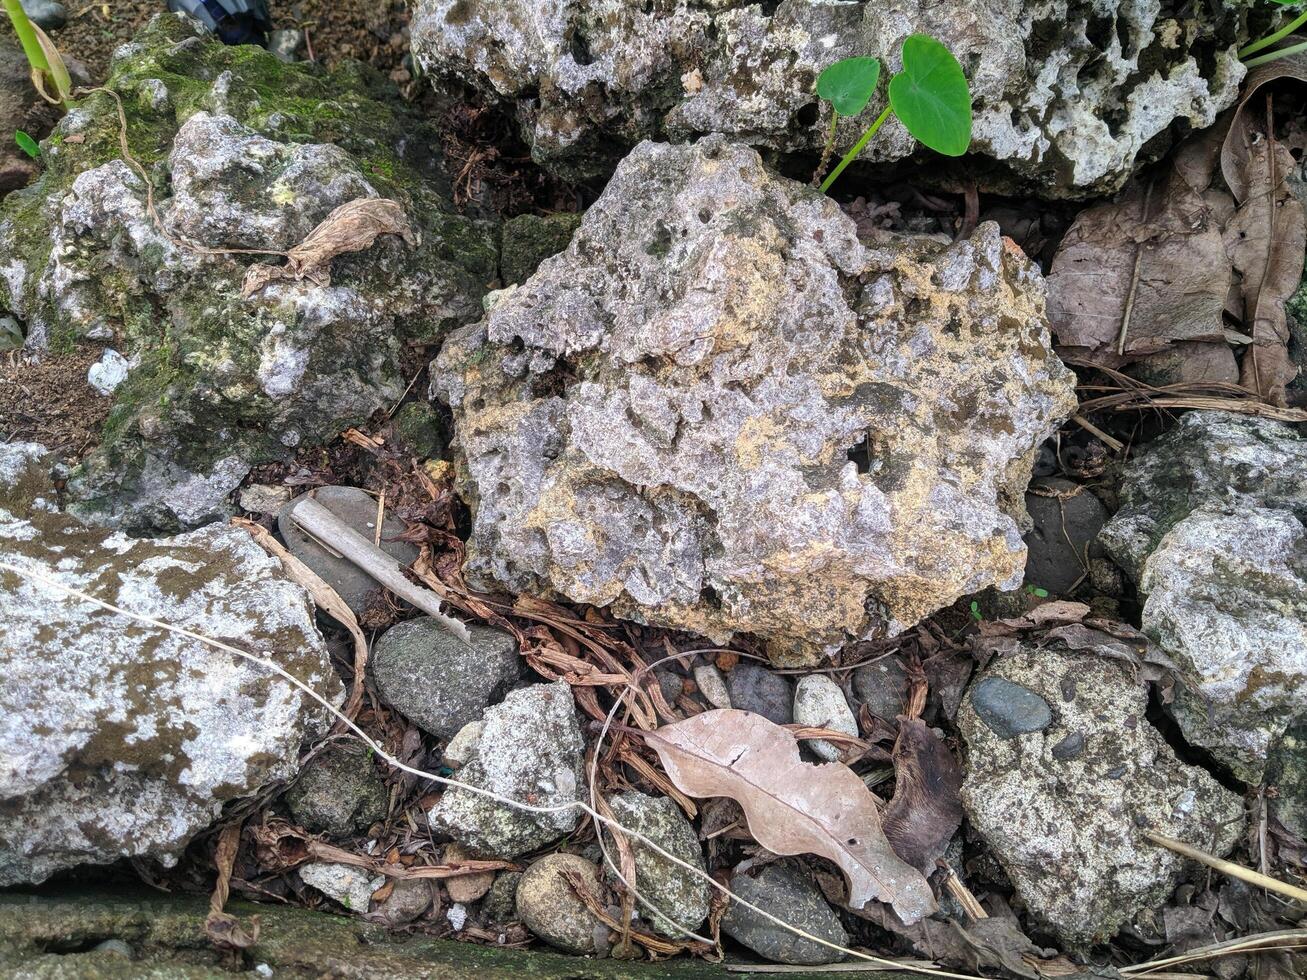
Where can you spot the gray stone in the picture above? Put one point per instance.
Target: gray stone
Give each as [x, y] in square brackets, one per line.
[263, 498]
[712, 685]
[46, 14]
[530, 751]
[549, 907]
[244, 152]
[286, 44]
[462, 748]
[1008, 709]
[1068, 94]
[1287, 772]
[417, 429]
[439, 682]
[140, 736]
[358, 510]
[410, 899]
[882, 686]
[784, 891]
[755, 688]
[819, 703]
[529, 239]
[350, 886]
[673, 416]
[1067, 519]
[1065, 825]
[340, 792]
[1211, 529]
[500, 903]
[681, 899]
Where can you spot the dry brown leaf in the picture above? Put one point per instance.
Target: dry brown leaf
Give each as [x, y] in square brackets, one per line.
[792, 807]
[352, 227]
[926, 810]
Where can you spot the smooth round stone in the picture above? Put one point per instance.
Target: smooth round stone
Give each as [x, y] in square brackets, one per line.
[46, 14]
[819, 702]
[358, 510]
[1069, 748]
[1009, 709]
[882, 686]
[712, 685]
[439, 682]
[757, 689]
[548, 907]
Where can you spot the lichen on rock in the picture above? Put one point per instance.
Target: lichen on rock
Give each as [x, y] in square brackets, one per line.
[718, 410]
[119, 739]
[244, 152]
[1069, 94]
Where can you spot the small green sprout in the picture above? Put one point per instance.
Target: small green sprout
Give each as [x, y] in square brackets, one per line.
[975, 612]
[1261, 44]
[1037, 592]
[27, 144]
[929, 96]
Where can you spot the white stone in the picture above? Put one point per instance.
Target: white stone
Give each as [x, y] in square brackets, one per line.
[712, 685]
[350, 886]
[819, 703]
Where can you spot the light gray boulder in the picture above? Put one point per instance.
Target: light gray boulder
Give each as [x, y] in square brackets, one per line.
[123, 740]
[1063, 772]
[530, 751]
[1069, 94]
[717, 410]
[1211, 528]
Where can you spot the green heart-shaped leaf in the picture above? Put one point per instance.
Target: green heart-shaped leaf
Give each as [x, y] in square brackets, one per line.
[27, 144]
[930, 96]
[848, 85]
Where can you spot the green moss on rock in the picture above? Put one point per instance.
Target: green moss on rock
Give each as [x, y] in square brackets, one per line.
[530, 239]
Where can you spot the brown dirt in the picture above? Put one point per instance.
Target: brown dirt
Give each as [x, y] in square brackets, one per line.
[51, 403]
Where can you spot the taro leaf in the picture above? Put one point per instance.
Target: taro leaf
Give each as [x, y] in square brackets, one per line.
[848, 85]
[352, 227]
[27, 144]
[930, 96]
[927, 807]
[792, 807]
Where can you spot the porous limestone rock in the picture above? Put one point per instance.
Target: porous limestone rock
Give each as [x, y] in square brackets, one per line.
[244, 152]
[717, 410]
[119, 739]
[1068, 94]
[1061, 803]
[1211, 528]
[529, 751]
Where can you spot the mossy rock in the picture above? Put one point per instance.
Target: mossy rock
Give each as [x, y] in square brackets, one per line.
[243, 152]
[54, 935]
[529, 239]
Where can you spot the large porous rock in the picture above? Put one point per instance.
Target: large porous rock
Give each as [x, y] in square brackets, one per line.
[244, 152]
[1211, 528]
[717, 410]
[1062, 772]
[529, 752]
[122, 739]
[1069, 94]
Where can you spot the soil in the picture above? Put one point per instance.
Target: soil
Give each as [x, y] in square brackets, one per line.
[50, 402]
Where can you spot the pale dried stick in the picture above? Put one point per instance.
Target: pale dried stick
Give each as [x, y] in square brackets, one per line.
[1255, 878]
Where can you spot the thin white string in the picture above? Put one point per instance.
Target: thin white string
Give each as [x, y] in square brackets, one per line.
[268, 664]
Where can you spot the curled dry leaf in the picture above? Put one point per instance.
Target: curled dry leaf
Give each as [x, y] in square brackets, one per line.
[792, 807]
[926, 810]
[352, 227]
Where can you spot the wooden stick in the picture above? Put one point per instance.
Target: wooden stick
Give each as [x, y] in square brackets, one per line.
[327, 527]
[1255, 878]
[1112, 443]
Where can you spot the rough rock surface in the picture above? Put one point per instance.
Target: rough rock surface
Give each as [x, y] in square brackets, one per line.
[549, 907]
[119, 740]
[529, 750]
[1068, 94]
[340, 791]
[682, 898]
[793, 896]
[1072, 794]
[439, 682]
[350, 886]
[753, 687]
[717, 410]
[1211, 528]
[244, 152]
